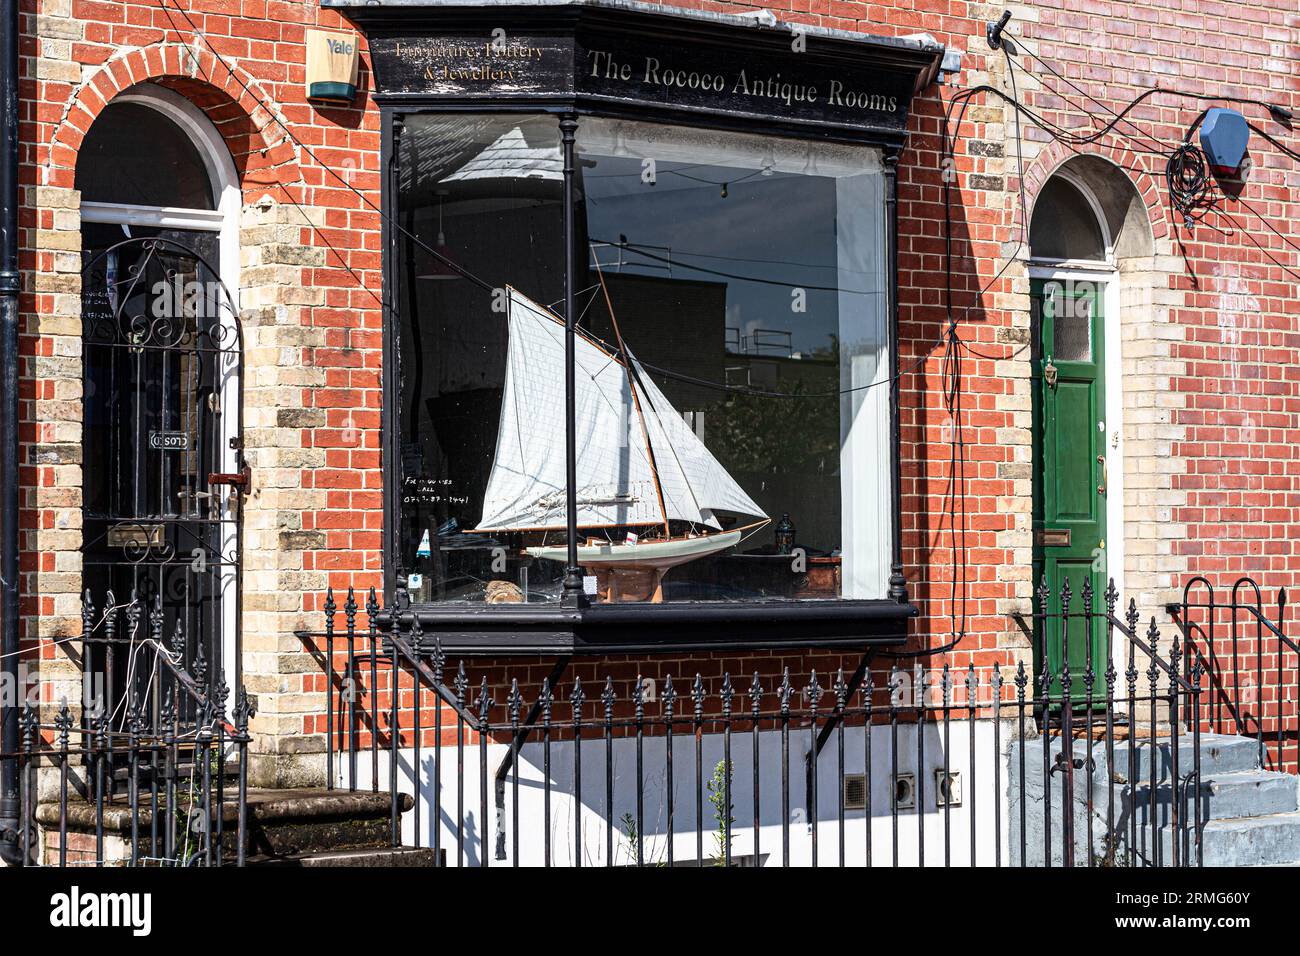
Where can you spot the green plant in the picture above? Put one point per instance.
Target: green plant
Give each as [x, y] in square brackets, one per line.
[719, 787]
[630, 835]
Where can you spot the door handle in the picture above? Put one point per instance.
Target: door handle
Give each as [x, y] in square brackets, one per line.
[1101, 488]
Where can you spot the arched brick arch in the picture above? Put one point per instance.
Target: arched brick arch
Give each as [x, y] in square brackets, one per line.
[1128, 164]
[263, 153]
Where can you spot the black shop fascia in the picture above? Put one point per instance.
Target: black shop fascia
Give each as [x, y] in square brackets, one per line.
[641, 350]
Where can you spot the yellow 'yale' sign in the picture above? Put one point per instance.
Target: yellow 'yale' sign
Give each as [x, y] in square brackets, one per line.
[331, 66]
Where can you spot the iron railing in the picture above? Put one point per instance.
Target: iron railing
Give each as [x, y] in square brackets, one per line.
[147, 767]
[1252, 667]
[920, 762]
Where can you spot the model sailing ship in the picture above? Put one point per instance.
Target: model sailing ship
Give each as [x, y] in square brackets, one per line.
[642, 471]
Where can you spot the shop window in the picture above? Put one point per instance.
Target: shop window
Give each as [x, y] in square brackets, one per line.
[732, 365]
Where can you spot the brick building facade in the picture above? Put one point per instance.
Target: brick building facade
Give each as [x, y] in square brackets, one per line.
[1201, 403]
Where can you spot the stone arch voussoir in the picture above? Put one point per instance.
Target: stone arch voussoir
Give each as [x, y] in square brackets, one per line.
[264, 154]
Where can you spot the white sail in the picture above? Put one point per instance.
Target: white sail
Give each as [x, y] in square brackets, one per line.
[695, 477]
[616, 480]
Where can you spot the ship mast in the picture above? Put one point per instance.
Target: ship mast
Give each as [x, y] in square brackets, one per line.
[636, 399]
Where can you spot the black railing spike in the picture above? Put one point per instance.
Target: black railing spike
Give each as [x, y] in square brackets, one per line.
[607, 697]
[109, 619]
[895, 686]
[785, 693]
[755, 696]
[995, 682]
[972, 685]
[87, 614]
[946, 685]
[416, 633]
[576, 699]
[669, 697]
[330, 606]
[544, 700]
[156, 622]
[178, 641]
[133, 616]
[697, 691]
[243, 711]
[638, 697]
[461, 683]
[31, 723]
[1112, 597]
[372, 604]
[814, 690]
[200, 663]
[841, 690]
[1022, 680]
[1153, 637]
[727, 694]
[1131, 616]
[63, 723]
[1086, 597]
[1065, 597]
[350, 609]
[1044, 595]
[484, 704]
[438, 659]
[514, 700]
[167, 710]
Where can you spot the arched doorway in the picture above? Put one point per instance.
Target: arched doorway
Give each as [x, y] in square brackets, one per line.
[162, 358]
[1073, 284]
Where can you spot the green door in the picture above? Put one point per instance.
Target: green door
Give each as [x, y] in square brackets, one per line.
[1070, 475]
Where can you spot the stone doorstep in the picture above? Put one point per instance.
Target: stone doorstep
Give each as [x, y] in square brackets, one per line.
[396, 856]
[266, 808]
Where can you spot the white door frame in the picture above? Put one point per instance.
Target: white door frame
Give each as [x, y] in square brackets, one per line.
[223, 220]
[1105, 275]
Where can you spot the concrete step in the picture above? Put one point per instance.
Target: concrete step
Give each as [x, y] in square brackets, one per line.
[1251, 793]
[1247, 793]
[1253, 841]
[280, 822]
[1220, 754]
[286, 823]
[1272, 840]
[394, 856]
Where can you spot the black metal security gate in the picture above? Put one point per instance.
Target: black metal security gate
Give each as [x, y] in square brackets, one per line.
[163, 460]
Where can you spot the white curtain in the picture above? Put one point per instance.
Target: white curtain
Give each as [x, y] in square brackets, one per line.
[864, 373]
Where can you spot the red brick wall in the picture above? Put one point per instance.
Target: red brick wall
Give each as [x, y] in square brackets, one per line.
[1236, 422]
[1238, 428]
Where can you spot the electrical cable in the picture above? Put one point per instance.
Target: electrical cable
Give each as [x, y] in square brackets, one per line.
[1186, 174]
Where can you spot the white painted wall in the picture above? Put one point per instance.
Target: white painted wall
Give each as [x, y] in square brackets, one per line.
[978, 791]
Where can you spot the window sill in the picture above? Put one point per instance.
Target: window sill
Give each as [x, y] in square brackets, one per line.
[659, 628]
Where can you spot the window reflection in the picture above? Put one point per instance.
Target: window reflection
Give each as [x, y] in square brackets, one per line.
[732, 373]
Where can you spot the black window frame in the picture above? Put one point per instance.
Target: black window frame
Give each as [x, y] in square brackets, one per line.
[625, 628]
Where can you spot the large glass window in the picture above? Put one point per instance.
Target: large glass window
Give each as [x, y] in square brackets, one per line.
[731, 364]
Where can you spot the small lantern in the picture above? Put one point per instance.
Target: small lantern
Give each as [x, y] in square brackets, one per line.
[785, 536]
